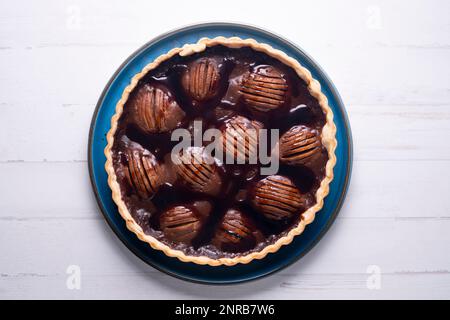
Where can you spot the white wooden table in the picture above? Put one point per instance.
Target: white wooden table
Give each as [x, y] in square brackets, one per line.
[390, 60]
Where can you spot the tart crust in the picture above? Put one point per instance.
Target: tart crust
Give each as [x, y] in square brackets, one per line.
[328, 138]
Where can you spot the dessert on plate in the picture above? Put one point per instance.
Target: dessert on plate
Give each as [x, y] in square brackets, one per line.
[217, 206]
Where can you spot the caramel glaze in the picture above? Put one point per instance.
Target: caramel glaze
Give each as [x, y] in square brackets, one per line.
[237, 180]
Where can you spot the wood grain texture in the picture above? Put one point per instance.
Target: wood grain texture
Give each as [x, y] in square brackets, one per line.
[409, 132]
[404, 196]
[389, 61]
[338, 264]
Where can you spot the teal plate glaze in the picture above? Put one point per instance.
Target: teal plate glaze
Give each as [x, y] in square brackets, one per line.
[189, 271]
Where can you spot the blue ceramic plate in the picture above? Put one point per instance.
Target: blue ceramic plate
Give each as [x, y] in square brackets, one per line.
[189, 271]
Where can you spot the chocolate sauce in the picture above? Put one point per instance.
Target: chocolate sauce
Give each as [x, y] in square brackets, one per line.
[238, 180]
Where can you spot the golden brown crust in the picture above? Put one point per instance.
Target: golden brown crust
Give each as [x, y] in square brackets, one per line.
[327, 136]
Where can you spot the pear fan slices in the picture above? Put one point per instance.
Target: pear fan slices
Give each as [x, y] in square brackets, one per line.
[264, 89]
[277, 198]
[155, 111]
[143, 173]
[198, 171]
[180, 224]
[299, 145]
[201, 79]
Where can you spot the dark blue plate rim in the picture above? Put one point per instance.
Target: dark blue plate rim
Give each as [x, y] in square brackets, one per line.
[318, 70]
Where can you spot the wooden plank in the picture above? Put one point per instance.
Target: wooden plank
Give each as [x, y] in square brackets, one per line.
[379, 132]
[400, 132]
[337, 267]
[367, 23]
[363, 76]
[159, 286]
[43, 190]
[379, 189]
[350, 247]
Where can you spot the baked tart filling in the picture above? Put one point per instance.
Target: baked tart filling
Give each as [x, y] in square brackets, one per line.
[211, 198]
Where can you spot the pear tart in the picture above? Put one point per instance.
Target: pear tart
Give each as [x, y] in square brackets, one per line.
[195, 205]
